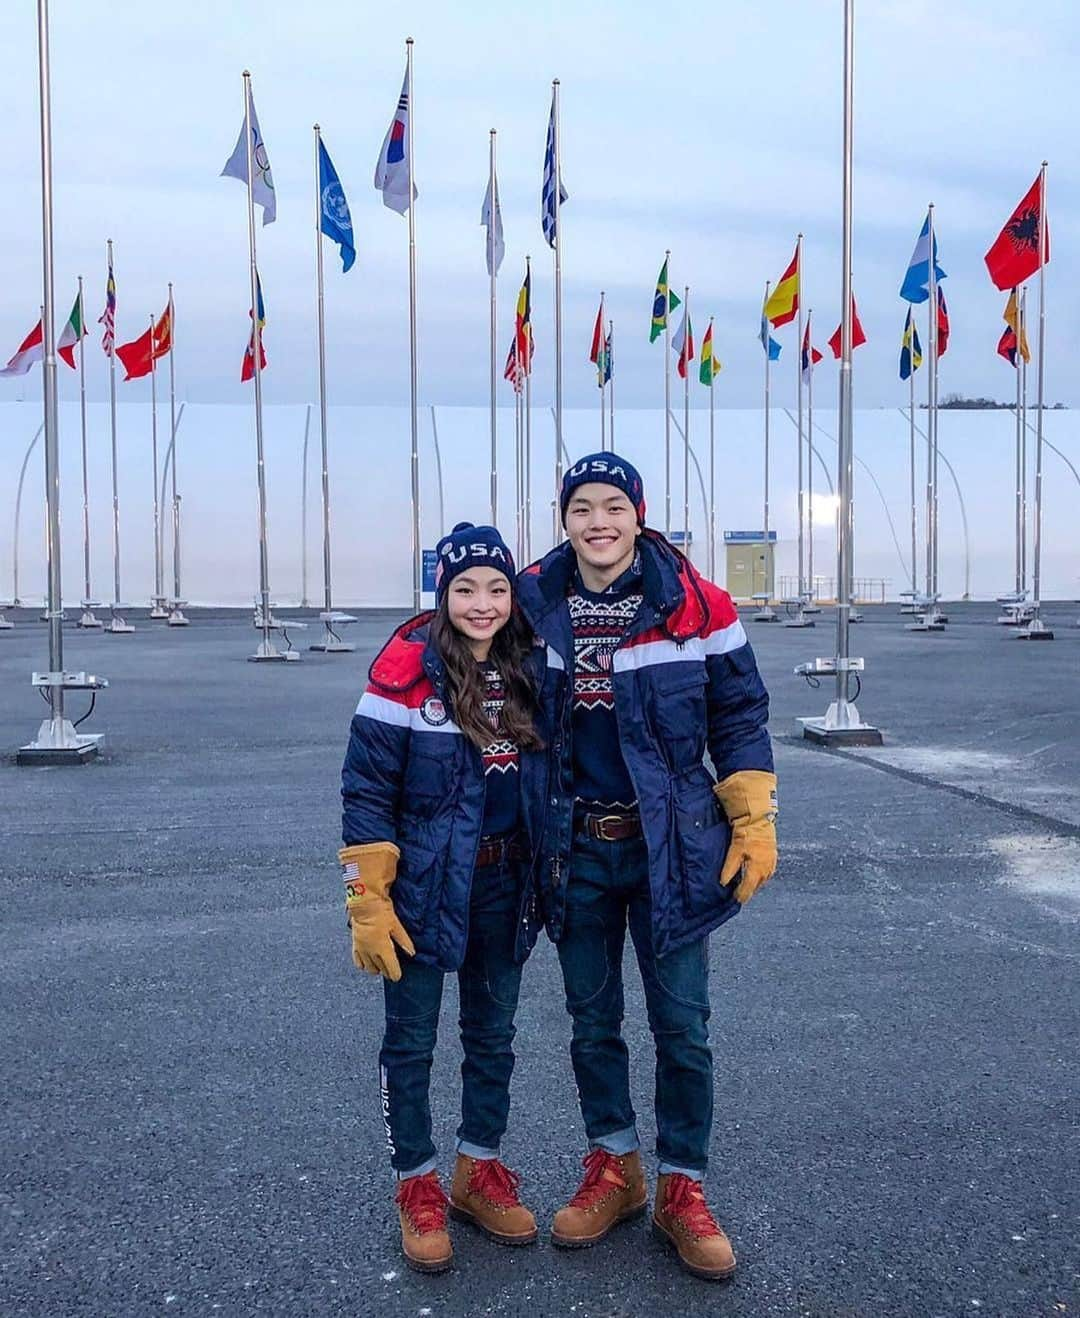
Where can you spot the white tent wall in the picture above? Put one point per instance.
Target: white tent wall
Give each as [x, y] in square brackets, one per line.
[369, 473]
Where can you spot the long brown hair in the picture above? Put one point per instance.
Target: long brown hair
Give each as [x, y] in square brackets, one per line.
[465, 682]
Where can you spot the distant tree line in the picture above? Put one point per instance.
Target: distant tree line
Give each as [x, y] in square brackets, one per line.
[958, 402]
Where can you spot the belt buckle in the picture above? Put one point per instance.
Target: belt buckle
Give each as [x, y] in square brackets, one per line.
[602, 825]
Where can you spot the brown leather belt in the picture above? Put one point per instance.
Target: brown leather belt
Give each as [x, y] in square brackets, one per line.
[608, 828]
[494, 850]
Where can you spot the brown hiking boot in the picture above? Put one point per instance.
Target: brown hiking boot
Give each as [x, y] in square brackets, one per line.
[683, 1219]
[484, 1192]
[613, 1191]
[421, 1205]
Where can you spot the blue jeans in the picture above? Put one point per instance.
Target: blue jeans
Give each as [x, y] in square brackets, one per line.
[488, 984]
[608, 891]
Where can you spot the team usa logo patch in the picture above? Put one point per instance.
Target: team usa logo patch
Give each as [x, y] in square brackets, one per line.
[433, 711]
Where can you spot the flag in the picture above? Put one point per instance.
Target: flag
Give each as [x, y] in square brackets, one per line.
[858, 337]
[605, 366]
[393, 171]
[334, 218]
[1014, 256]
[31, 350]
[72, 332]
[136, 357]
[548, 208]
[916, 285]
[942, 324]
[108, 316]
[683, 344]
[523, 325]
[1007, 344]
[768, 343]
[511, 371]
[163, 333]
[664, 302]
[491, 219]
[910, 348]
[783, 304]
[262, 183]
[247, 369]
[810, 355]
[598, 334]
[710, 366]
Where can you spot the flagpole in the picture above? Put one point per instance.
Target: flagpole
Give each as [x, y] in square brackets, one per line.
[911, 446]
[87, 619]
[933, 290]
[810, 463]
[931, 347]
[799, 409]
[841, 723]
[176, 616]
[557, 203]
[610, 369]
[1023, 450]
[686, 422]
[766, 613]
[667, 394]
[494, 331]
[415, 456]
[266, 650]
[57, 741]
[156, 611]
[117, 625]
[519, 489]
[528, 420]
[712, 454]
[1037, 628]
[1019, 439]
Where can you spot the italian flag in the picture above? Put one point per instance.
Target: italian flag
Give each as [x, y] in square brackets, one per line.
[30, 351]
[74, 330]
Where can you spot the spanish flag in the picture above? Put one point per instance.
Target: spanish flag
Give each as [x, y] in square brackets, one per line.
[783, 305]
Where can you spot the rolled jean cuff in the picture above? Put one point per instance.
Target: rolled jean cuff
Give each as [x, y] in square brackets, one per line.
[691, 1173]
[422, 1170]
[618, 1142]
[476, 1151]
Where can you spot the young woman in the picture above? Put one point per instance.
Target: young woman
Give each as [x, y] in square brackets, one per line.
[443, 789]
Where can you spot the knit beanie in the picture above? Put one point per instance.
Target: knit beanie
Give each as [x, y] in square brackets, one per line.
[604, 469]
[470, 546]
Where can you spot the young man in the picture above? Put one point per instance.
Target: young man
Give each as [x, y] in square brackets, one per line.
[640, 835]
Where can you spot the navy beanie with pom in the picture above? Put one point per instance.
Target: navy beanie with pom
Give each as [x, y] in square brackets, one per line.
[470, 546]
[604, 469]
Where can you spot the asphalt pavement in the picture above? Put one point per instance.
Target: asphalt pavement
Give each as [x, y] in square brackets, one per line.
[189, 1107]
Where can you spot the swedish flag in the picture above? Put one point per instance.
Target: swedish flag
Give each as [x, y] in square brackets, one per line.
[910, 349]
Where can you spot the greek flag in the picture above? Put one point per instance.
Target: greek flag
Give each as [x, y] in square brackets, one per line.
[548, 208]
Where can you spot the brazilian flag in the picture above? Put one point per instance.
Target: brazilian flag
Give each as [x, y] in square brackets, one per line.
[664, 302]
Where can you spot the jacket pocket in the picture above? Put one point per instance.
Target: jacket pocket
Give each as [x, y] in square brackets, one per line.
[418, 871]
[702, 837]
[678, 714]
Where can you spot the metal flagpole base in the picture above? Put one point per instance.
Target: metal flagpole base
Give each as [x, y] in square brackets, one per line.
[765, 612]
[928, 617]
[88, 620]
[799, 618]
[1036, 630]
[158, 611]
[116, 624]
[45, 615]
[841, 726]
[267, 653]
[57, 742]
[176, 616]
[6, 624]
[331, 642]
[1016, 609]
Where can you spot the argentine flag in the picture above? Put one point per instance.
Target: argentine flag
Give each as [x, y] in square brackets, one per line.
[916, 285]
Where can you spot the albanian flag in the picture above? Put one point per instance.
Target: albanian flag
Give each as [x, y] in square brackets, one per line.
[1014, 256]
[858, 335]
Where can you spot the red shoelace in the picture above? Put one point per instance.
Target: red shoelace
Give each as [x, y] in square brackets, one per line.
[423, 1201]
[495, 1182]
[603, 1173]
[685, 1200]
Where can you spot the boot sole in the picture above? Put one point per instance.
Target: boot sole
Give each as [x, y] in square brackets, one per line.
[585, 1242]
[704, 1274]
[418, 1265]
[463, 1215]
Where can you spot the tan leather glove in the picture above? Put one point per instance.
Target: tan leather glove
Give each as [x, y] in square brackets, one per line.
[748, 798]
[368, 871]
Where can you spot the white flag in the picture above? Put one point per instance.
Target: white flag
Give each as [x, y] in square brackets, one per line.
[494, 248]
[394, 169]
[262, 181]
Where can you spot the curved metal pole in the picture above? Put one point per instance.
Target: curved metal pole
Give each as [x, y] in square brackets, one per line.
[438, 469]
[701, 479]
[169, 451]
[1054, 449]
[814, 451]
[963, 510]
[16, 602]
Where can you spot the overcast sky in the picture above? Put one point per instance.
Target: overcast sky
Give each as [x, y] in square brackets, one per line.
[713, 130]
